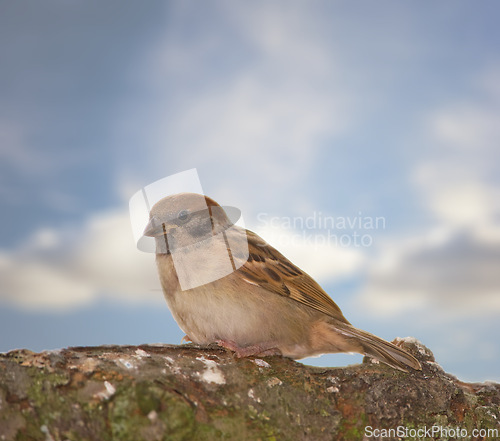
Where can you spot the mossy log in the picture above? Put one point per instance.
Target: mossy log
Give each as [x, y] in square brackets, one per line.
[165, 392]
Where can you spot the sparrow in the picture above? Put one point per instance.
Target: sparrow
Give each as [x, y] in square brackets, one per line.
[224, 284]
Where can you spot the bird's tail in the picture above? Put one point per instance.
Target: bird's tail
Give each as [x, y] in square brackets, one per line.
[378, 348]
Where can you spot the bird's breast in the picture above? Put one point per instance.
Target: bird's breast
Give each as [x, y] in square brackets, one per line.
[231, 309]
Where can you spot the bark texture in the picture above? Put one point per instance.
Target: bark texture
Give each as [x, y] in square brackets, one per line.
[164, 392]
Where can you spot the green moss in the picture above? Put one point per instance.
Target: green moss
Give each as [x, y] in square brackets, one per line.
[354, 428]
[486, 418]
[324, 413]
[148, 397]
[50, 406]
[354, 420]
[136, 411]
[44, 384]
[178, 416]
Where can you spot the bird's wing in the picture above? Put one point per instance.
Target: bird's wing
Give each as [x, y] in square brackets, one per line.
[269, 269]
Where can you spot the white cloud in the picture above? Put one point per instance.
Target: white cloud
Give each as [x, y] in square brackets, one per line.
[452, 267]
[470, 127]
[109, 257]
[60, 270]
[273, 128]
[459, 179]
[66, 269]
[458, 196]
[440, 273]
[315, 253]
[38, 286]
[269, 111]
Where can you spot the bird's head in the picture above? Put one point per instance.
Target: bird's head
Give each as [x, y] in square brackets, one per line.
[184, 219]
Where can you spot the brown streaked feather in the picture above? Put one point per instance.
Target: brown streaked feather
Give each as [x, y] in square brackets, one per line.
[274, 272]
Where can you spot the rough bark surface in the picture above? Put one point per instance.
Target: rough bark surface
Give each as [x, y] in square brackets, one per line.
[163, 392]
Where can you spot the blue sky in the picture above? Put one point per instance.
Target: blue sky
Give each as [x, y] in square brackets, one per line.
[285, 109]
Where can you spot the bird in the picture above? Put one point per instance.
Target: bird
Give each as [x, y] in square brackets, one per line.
[224, 284]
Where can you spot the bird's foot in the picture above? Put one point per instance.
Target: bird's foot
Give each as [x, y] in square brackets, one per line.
[261, 349]
[186, 339]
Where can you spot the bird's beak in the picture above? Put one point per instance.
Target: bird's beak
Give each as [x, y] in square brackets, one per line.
[154, 228]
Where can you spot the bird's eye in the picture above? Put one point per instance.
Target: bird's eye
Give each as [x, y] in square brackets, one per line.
[183, 216]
